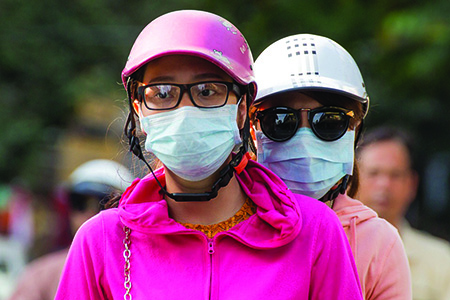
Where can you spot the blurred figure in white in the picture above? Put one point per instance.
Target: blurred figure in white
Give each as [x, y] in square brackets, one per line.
[88, 187]
[388, 184]
[12, 262]
[16, 233]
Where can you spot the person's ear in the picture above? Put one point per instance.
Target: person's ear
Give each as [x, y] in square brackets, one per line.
[137, 107]
[242, 112]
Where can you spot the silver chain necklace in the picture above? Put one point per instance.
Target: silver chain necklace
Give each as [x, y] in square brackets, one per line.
[126, 269]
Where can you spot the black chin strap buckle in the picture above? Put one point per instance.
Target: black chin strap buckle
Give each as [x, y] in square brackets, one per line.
[224, 178]
[339, 189]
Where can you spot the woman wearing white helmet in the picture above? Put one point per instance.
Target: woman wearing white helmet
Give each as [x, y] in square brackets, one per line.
[209, 224]
[308, 114]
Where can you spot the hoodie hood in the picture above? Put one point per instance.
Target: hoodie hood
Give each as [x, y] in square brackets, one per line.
[352, 211]
[276, 222]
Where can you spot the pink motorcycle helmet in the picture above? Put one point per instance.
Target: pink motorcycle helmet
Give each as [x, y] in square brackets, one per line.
[196, 33]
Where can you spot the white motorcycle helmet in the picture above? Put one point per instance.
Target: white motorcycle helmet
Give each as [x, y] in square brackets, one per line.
[309, 62]
[100, 172]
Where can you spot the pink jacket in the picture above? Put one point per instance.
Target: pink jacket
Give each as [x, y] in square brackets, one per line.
[379, 253]
[292, 248]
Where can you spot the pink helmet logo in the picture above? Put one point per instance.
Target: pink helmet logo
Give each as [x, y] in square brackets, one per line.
[243, 48]
[229, 26]
[219, 55]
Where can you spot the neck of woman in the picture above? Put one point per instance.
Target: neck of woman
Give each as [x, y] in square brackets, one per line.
[227, 203]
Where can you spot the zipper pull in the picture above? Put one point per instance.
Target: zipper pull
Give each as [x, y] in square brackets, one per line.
[210, 247]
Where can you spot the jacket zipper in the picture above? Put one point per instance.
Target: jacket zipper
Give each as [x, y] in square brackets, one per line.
[210, 252]
[211, 247]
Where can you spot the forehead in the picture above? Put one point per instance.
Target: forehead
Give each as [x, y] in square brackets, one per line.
[385, 154]
[183, 68]
[292, 99]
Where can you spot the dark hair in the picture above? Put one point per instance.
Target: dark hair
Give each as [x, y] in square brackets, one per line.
[388, 133]
[130, 124]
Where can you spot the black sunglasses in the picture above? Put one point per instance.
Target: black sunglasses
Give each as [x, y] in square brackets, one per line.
[281, 123]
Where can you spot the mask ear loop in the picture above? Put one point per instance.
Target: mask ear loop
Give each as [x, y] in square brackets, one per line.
[341, 188]
[237, 164]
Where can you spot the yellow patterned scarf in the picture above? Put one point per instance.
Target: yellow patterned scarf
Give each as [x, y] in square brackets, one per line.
[248, 209]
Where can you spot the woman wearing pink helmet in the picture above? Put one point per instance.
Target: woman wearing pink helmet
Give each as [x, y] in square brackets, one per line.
[210, 223]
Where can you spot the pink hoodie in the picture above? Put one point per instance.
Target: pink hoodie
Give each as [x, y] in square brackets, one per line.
[379, 254]
[292, 248]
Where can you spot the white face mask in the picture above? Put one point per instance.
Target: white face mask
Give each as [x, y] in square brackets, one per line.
[192, 142]
[307, 164]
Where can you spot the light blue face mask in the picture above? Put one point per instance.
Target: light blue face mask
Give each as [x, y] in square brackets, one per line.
[307, 164]
[192, 142]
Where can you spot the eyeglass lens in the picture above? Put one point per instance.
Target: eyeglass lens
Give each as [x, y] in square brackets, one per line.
[167, 96]
[279, 124]
[329, 125]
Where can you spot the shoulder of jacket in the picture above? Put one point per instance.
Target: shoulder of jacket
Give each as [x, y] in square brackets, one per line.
[102, 223]
[425, 240]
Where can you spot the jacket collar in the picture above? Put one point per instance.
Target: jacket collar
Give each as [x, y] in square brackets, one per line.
[276, 222]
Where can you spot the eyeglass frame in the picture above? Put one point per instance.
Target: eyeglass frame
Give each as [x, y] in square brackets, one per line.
[310, 111]
[231, 87]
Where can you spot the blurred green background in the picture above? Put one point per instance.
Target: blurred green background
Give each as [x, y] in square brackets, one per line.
[61, 101]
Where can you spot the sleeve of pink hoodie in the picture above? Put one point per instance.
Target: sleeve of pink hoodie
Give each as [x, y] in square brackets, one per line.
[334, 274]
[394, 281]
[83, 269]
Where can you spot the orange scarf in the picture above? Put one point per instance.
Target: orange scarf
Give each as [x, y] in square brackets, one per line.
[248, 209]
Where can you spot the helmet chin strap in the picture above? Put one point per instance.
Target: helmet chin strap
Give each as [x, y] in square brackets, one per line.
[337, 189]
[237, 163]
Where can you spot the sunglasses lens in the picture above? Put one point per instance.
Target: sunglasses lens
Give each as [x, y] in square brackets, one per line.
[279, 124]
[329, 125]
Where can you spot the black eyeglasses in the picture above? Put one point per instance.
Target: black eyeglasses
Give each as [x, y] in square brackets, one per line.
[208, 94]
[281, 123]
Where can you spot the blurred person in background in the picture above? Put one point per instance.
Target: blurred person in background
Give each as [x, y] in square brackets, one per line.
[309, 110]
[89, 186]
[389, 184]
[16, 233]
